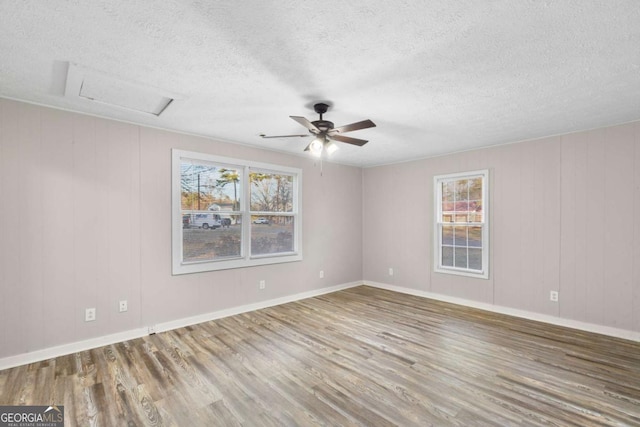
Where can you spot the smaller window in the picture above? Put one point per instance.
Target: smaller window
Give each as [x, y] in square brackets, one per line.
[461, 226]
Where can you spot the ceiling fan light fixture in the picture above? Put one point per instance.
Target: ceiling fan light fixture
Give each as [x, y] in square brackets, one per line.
[331, 148]
[316, 147]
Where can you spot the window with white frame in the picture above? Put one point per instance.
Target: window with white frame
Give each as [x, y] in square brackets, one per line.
[461, 224]
[271, 209]
[230, 213]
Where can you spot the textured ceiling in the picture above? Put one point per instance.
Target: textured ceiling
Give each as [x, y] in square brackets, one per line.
[435, 76]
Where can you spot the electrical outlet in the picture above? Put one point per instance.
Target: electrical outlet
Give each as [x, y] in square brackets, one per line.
[322, 274]
[90, 315]
[123, 306]
[262, 284]
[553, 296]
[390, 271]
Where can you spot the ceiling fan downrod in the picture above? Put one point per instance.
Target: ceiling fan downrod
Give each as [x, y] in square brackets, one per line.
[320, 108]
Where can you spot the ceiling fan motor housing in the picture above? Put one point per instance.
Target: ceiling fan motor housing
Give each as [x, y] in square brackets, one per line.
[320, 108]
[323, 125]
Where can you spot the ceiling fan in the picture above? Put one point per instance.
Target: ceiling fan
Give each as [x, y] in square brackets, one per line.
[325, 132]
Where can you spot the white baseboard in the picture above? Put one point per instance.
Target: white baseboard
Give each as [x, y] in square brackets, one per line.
[559, 321]
[74, 347]
[61, 350]
[201, 318]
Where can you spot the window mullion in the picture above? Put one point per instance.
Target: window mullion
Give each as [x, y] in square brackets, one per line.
[246, 215]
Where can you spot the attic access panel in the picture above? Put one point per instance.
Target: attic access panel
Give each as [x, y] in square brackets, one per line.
[108, 90]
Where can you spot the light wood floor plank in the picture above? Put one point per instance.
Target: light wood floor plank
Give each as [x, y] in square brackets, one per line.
[358, 357]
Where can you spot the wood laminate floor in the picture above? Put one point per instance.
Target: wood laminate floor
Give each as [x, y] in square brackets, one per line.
[361, 356]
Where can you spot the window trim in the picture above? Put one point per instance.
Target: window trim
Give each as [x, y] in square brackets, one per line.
[245, 259]
[437, 224]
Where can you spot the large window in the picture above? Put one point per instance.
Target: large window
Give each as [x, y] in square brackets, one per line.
[229, 213]
[461, 226]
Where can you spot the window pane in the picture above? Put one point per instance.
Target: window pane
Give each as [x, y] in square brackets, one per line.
[460, 236]
[271, 192]
[207, 186]
[475, 259]
[475, 189]
[210, 193]
[475, 211]
[475, 237]
[462, 217]
[448, 190]
[462, 188]
[447, 256]
[457, 211]
[272, 234]
[208, 236]
[447, 235]
[460, 257]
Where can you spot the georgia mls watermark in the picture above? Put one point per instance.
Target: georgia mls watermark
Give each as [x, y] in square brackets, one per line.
[31, 416]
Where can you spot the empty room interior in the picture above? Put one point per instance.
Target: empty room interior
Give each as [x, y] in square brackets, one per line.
[320, 213]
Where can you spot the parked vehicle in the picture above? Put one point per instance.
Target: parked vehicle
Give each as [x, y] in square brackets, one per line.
[205, 220]
[261, 220]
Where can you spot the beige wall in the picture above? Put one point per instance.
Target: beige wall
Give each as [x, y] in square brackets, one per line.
[85, 222]
[564, 216]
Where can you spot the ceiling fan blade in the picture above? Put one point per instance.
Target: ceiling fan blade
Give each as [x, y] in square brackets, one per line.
[282, 136]
[306, 123]
[349, 140]
[354, 126]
